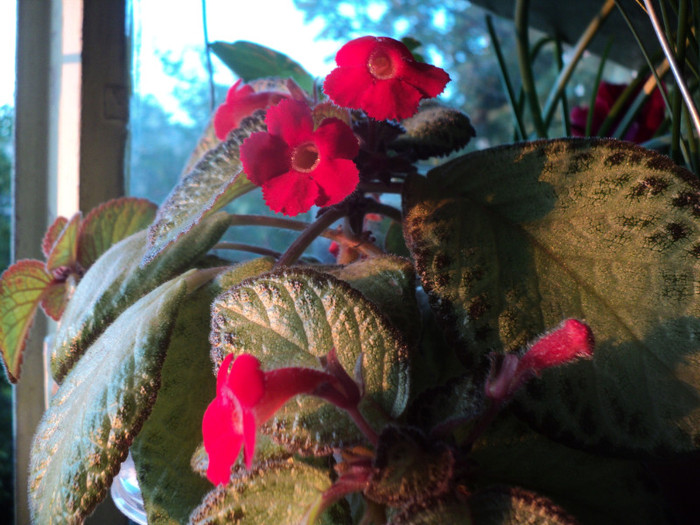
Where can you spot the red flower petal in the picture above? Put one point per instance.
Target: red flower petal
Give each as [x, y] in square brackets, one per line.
[264, 156]
[249, 435]
[346, 86]
[356, 52]
[336, 178]
[238, 91]
[291, 193]
[391, 99]
[335, 139]
[246, 380]
[428, 79]
[571, 340]
[291, 120]
[222, 438]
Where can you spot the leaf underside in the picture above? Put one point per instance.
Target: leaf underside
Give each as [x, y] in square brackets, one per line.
[510, 241]
[85, 434]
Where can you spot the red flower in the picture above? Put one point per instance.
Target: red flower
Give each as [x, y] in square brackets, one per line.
[246, 397]
[568, 342]
[380, 76]
[241, 101]
[298, 166]
[644, 126]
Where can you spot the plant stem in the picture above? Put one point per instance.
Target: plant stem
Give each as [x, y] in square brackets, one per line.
[379, 187]
[582, 44]
[522, 8]
[247, 248]
[312, 231]
[384, 209]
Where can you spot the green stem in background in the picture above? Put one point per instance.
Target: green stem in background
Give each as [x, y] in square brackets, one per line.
[259, 250]
[505, 79]
[312, 231]
[676, 102]
[677, 73]
[596, 84]
[522, 8]
[558, 55]
[582, 44]
[692, 145]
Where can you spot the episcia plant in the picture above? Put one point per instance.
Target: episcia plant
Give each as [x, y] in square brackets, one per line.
[510, 337]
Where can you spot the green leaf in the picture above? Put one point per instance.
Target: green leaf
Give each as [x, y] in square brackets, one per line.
[394, 242]
[603, 490]
[117, 280]
[510, 241]
[216, 179]
[111, 222]
[169, 437]
[434, 131]
[52, 235]
[64, 252]
[280, 493]
[514, 506]
[85, 434]
[250, 61]
[292, 317]
[22, 286]
[448, 509]
[390, 283]
[163, 449]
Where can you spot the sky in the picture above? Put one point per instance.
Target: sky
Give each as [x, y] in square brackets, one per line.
[165, 24]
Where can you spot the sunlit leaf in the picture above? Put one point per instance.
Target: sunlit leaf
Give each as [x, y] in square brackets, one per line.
[117, 280]
[21, 288]
[64, 252]
[98, 410]
[510, 241]
[215, 180]
[280, 493]
[52, 235]
[515, 506]
[292, 317]
[250, 61]
[111, 222]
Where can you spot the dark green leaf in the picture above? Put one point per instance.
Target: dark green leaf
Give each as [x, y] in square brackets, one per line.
[251, 61]
[510, 241]
[513, 506]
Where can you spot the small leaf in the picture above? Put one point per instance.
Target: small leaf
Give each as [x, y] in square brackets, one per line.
[117, 280]
[292, 317]
[22, 286]
[52, 235]
[214, 181]
[515, 506]
[250, 61]
[64, 252]
[111, 222]
[434, 131]
[280, 493]
[55, 298]
[86, 432]
[510, 241]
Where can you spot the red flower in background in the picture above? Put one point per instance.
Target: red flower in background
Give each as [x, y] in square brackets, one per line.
[299, 166]
[242, 101]
[246, 397]
[380, 76]
[644, 126]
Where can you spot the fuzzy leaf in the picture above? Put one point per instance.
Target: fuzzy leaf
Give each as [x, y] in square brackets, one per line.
[390, 283]
[64, 252]
[55, 298]
[21, 288]
[216, 179]
[117, 280]
[291, 317]
[514, 506]
[434, 131]
[52, 235]
[86, 432]
[604, 490]
[250, 61]
[280, 493]
[510, 241]
[169, 437]
[111, 222]
[448, 509]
